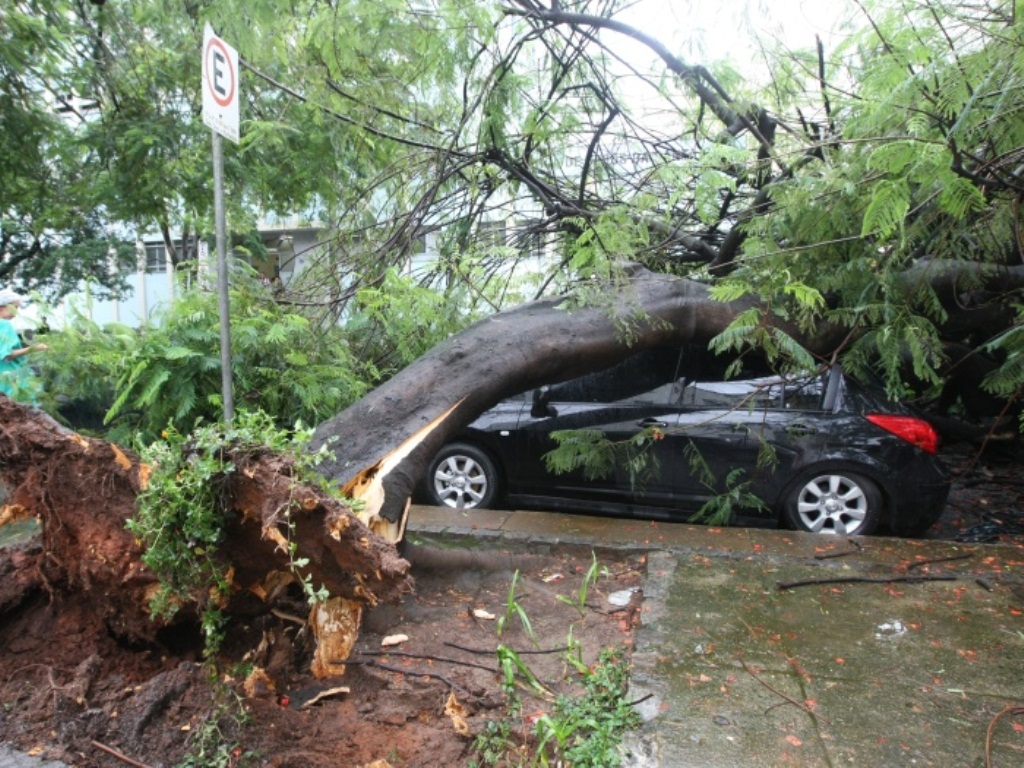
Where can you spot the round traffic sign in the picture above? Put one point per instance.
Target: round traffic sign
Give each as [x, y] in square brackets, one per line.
[218, 67]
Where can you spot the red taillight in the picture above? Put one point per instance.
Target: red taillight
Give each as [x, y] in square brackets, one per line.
[915, 431]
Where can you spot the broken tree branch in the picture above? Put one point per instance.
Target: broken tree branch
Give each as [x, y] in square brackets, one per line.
[783, 585]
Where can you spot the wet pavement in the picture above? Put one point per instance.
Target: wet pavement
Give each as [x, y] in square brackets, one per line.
[894, 662]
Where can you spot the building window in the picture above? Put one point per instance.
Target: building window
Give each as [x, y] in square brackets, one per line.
[156, 259]
[492, 234]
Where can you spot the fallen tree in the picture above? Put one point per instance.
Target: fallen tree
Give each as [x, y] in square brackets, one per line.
[84, 490]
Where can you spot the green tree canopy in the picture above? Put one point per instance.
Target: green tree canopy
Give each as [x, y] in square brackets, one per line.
[873, 186]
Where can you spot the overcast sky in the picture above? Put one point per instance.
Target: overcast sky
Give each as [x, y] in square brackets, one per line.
[705, 30]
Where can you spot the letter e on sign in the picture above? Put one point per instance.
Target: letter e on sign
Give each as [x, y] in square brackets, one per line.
[220, 85]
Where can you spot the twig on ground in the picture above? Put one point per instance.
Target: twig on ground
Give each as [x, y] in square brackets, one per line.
[429, 657]
[412, 672]
[777, 692]
[113, 752]
[857, 547]
[641, 700]
[493, 651]
[932, 560]
[782, 585]
[1010, 710]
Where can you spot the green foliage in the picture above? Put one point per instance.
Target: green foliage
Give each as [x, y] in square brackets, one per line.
[395, 120]
[751, 331]
[730, 494]
[597, 456]
[212, 745]
[53, 235]
[579, 600]
[513, 608]
[613, 237]
[396, 321]
[583, 730]
[496, 745]
[587, 730]
[910, 170]
[168, 373]
[1008, 380]
[180, 519]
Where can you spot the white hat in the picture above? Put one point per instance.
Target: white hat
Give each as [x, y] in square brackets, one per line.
[7, 296]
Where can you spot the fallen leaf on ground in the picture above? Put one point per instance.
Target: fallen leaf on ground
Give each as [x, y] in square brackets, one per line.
[455, 711]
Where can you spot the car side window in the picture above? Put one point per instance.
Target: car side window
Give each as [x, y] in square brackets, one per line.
[805, 394]
[644, 378]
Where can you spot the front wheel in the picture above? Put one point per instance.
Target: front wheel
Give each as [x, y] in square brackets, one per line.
[463, 477]
[838, 502]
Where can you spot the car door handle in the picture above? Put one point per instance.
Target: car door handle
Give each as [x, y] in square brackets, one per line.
[651, 422]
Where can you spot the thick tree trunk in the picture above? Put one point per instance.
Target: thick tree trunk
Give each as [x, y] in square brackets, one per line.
[83, 490]
[511, 352]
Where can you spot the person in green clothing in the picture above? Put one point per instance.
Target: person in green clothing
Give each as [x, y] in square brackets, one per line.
[16, 379]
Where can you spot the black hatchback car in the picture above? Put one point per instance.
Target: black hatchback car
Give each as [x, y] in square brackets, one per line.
[841, 458]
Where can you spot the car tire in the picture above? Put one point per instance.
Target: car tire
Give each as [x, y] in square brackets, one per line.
[833, 502]
[462, 476]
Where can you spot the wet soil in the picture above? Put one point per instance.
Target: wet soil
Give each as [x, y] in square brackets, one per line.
[70, 689]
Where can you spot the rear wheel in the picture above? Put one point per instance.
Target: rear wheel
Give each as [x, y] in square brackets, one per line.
[463, 477]
[833, 502]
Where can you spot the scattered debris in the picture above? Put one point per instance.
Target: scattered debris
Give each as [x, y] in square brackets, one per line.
[307, 698]
[622, 597]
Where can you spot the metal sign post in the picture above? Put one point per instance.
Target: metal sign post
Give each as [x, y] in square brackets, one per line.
[220, 113]
[223, 296]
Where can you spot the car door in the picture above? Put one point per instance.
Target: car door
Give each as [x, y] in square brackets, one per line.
[794, 428]
[714, 436]
[618, 404]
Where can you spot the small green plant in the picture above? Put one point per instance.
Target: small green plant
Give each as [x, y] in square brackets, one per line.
[579, 600]
[180, 519]
[496, 744]
[211, 745]
[513, 668]
[583, 731]
[574, 653]
[513, 608]
[587, 730]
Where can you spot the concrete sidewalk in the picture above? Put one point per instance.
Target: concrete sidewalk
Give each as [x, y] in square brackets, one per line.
[734, 671]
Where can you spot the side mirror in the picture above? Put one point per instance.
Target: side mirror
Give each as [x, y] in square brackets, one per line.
[542, 408]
